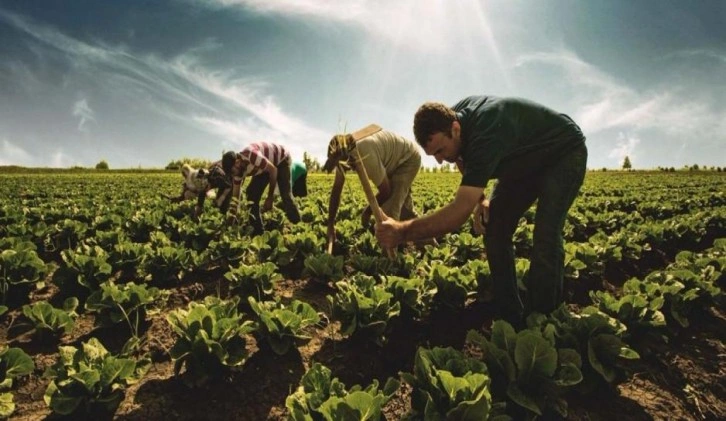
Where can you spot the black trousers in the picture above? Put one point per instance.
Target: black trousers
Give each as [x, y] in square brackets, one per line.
[257, 187]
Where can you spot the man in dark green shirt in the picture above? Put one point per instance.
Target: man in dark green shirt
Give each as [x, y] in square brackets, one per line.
[536, 154]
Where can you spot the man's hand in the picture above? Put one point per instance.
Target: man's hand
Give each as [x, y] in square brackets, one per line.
[331, 239]
[390, 233]
[481, 215]
[365, 217]
[267, 206]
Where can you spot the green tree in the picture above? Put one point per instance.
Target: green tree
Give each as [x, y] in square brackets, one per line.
[626, 163]
[103, 165]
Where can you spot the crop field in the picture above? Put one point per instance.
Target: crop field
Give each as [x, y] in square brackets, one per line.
[117, 304]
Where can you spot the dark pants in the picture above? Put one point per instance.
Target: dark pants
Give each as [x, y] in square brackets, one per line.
[257, 187]
[300, 187]
[554, 188]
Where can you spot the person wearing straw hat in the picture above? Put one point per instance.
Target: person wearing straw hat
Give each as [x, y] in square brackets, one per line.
[391, 163]
[267, 164]
[536, 154]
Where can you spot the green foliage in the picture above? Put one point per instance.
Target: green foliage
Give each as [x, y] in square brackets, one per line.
[102, 165]
[20, 268]
[118, 303]
[324, 268]
[362, 306]
[87, 267]
[591, 333]
[282, 326]
[453, 285]
[210, 339]
[320, 397]
[448, 385]
[256, 279]
[90, 381]
[14, 363]
[527, 367]
[415, 294]
[50, 321]
[166, 263]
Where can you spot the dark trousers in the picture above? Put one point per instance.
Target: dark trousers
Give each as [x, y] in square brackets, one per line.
[257, 187]
[554, 188]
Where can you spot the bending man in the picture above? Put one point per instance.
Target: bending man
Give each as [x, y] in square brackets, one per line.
[537, 154]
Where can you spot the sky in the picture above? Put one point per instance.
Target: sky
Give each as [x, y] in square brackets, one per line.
[142, 83]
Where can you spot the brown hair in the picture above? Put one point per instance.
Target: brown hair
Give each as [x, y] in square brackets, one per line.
[432, 118]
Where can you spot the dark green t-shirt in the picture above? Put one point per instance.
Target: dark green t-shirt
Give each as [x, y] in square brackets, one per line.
[511, 138]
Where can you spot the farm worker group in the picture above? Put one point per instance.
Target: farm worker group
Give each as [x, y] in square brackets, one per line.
[535, 153]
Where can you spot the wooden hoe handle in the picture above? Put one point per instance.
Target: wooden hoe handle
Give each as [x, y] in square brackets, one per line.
[372, 202]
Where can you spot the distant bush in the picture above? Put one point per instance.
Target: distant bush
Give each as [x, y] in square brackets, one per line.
[103, 165]
[193, 162]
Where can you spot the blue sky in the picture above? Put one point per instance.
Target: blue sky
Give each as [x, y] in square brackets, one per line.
[141, 83]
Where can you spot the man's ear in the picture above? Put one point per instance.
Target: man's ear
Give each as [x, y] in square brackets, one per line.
[455, 130]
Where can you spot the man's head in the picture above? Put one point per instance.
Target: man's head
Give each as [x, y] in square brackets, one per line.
[437, 130]
[228, 160]
[339, 150]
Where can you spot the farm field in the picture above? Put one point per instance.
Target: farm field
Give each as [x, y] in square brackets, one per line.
[116, 304]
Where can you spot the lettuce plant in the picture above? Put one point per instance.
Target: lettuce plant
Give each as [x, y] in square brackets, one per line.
[210, 339]
[256, 279]
[362, 306]
[166, 263]
[20, 269]
[527, 368]
[14, 363]
[324, 268]
[280, 325]
[453, 285]
[591, 333]
[448, 385]
[415, 294]
[90, 381]
[118, 303]
[87, 266]
[320, 397]
[50, 321]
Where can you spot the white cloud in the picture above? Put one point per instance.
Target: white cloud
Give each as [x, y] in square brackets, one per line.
[182, 83]
[625, 146]
[606, 103]
[433, 26]
[84, 113]
[11, 154]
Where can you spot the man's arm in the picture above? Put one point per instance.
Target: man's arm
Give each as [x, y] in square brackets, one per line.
[334, 204]
[391, 233]
[271, 170]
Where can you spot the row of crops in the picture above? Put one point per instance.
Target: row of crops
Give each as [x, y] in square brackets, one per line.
[644, 253]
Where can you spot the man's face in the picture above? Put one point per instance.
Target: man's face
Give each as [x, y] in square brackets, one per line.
[445, 147]
[239, 167]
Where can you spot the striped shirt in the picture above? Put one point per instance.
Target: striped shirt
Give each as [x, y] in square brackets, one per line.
[254, 153]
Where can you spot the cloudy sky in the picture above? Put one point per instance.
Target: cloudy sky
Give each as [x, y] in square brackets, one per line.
[141, 83]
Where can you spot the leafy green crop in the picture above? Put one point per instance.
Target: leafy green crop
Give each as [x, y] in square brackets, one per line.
[324, 268]
[90, 381]
[87, 267]
[448, 385]
[527, 368]
[256, 279]
[281, 326]
[20, 268]
[50, 321]
[210, 339]
[321, 398]
[362, 306]
[14, 363]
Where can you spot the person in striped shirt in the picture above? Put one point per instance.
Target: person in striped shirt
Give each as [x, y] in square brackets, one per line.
[267, 164]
